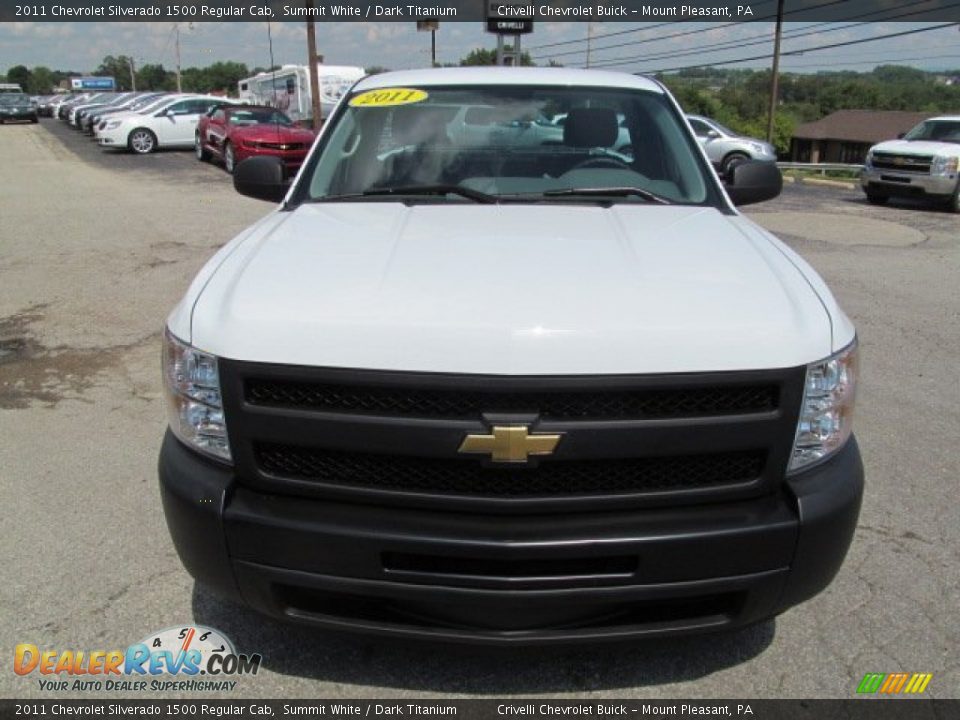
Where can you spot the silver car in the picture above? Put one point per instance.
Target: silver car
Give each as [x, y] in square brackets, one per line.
[725, 148]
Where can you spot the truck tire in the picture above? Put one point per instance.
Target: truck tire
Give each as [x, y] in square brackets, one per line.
[875, 199]
[954, 204]
[142, 141]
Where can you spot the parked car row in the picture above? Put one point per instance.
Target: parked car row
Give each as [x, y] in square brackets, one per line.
[216, 128]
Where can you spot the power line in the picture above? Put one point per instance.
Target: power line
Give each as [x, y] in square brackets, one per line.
[793, 34]
[619, 32]
[680, 34]
[627, 32]
[806, 50]
[885, 60]
[728, 44]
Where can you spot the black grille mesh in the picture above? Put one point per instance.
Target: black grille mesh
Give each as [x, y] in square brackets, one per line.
[549, 479]
[912, 163]
[438, 403]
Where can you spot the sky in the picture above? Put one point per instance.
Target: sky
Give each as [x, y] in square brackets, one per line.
[396, 45]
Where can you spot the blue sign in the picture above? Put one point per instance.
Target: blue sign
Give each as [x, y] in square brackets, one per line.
[93, 83]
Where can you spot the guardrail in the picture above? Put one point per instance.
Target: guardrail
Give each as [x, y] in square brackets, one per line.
[822, 167]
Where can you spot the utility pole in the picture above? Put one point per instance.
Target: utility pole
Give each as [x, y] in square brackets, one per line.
[176, 27]
[133, 75]
[312, 63]
[589, 42]
[433, 46]
[775, 75]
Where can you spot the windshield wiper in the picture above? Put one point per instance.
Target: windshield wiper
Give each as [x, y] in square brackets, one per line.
[609, 191]
[469, 193]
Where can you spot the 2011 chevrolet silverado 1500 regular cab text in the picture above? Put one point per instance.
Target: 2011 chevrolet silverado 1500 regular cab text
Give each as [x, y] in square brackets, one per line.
[494, 390]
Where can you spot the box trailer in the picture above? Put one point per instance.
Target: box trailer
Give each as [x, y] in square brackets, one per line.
[288, 88]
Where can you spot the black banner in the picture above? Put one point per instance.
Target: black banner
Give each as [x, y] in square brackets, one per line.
[854, 709]
[475, 10]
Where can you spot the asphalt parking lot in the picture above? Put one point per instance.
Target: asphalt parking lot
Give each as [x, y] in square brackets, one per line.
[96, 246]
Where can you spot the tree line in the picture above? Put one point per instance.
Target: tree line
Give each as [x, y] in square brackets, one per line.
[220, 76]
[740, 98]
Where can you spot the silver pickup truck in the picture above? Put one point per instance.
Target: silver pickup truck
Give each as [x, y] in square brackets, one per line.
[923, 163]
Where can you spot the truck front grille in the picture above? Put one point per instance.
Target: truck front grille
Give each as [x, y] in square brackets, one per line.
[903, 163]
[549, 479]
[393, 438]
[438, 403]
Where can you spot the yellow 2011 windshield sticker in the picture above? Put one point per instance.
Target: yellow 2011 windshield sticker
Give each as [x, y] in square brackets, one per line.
[388, 97]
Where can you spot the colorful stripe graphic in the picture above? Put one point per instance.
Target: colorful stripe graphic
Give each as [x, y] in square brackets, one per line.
[894, 683]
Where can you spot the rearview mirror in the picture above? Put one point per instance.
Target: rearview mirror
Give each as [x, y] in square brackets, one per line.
[264, 178]
[754, 181]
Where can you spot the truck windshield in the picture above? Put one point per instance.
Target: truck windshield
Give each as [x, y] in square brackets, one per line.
[471, 142]
[936, 130]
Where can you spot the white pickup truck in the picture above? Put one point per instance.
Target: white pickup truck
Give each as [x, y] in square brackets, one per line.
[504, 393]
[923, 163]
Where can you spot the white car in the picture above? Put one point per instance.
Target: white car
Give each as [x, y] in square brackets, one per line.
[923, 163]
[501, 393]
[171, 122]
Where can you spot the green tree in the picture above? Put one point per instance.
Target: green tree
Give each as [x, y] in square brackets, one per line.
[21, 75]
[154, 77]
[225, 76]
[118, 68]
[42, 80]
[481, 56]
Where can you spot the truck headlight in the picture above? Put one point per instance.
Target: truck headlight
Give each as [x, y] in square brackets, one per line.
[943, 165]
[194, 403]
[826, 416]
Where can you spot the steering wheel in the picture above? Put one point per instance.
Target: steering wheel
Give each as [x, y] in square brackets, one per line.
[600, 162]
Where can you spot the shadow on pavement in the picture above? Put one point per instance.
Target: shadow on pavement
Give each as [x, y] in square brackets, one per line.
[901, 203]
[437, 667]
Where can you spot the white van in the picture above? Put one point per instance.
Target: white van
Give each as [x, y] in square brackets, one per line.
[288, 89]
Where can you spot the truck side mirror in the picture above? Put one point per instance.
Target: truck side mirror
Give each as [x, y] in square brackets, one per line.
[754, 181]
[264, 178]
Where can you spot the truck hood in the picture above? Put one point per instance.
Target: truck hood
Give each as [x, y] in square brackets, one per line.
[509, 289]
[918, 147]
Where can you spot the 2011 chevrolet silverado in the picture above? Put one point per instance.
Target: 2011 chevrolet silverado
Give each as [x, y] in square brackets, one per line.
[460, 387]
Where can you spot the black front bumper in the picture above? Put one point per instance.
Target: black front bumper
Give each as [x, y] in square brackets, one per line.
[511, 579]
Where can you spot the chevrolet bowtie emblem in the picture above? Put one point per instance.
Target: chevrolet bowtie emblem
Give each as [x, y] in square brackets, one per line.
[510, 443]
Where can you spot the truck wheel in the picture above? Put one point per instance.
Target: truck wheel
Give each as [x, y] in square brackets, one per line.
[229, 159]
[875, 199]
[731, 161]
[954, 205]
[202, 153]
[142, 141]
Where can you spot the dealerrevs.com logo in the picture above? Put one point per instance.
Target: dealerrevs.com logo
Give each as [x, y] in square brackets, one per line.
[176, 659]
[894, 683]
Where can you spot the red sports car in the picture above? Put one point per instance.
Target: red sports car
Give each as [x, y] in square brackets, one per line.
[235, 132]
